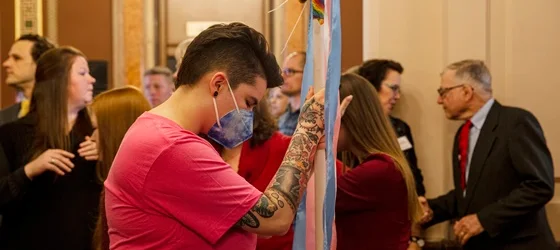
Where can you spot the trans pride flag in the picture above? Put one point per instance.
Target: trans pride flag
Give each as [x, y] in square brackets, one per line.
[314, 228]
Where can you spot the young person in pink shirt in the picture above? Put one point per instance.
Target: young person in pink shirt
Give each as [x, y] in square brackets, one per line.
[169, 189]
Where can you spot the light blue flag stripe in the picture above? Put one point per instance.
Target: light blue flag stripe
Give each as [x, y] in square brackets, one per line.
[331, 108]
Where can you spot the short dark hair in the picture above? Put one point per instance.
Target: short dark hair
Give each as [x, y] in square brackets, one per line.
[40, 45]
[242, 52]
[375, 70]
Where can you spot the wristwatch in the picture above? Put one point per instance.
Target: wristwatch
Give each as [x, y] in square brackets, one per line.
[419, 241]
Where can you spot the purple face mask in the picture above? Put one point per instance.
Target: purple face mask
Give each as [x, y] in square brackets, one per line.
[233, 128]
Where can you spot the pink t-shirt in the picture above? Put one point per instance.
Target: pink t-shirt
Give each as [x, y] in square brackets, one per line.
[169, 189]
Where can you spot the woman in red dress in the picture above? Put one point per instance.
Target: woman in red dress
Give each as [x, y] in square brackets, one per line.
[376, 199]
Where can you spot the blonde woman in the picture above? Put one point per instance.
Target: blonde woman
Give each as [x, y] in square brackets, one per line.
[376, 198]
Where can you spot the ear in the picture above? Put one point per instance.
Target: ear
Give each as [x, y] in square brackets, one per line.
[469, 91]
[217, 82]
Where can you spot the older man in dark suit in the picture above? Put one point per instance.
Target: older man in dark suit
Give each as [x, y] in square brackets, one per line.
[502, 168]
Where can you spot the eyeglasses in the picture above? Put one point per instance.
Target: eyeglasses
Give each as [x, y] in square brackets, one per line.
[291, 72]
[394, 87]
[443, 91]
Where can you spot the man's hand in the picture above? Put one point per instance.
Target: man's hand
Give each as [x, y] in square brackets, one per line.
[467, 227]
[428, 213]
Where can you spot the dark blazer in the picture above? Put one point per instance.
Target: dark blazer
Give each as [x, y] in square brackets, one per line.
[9, 114]
[402, 129]
[510, 180]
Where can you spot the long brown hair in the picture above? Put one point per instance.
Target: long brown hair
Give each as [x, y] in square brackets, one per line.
[369, 132]
[264, 124]
[49, 102]
[116, 110]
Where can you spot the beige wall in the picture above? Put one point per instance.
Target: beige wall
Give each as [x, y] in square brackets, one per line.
[179, 12]
[520, 40]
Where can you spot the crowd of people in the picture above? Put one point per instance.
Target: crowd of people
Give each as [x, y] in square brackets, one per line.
[217, 154]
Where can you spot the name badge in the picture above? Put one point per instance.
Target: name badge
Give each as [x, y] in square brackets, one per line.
[404, 143]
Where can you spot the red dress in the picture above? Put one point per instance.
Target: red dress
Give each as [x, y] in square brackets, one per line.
[258, 166]
[372, 207]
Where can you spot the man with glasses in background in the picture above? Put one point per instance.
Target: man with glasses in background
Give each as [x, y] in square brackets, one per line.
[292, 72]
[502, 168]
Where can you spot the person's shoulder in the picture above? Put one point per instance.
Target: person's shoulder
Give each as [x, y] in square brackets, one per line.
[382, 162]
[152, 134]
[399, 125]
[11, 109]
[380, 167]
[150, 125]
[516, 115]
[9, 114]
[516, 112]
[19, 126]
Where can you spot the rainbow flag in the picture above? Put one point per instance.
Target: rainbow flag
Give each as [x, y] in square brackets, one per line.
[314, 226]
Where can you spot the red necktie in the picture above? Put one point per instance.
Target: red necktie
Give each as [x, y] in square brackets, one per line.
[464, 151]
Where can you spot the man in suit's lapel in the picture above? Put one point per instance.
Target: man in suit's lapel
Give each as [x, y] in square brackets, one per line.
[481, 150]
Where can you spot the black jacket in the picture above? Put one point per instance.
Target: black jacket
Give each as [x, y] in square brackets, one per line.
[402, 129]
[510, 181]
[9, 114]
[50, 212]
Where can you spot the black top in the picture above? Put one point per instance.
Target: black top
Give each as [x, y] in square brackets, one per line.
[402, 129]
[50, 212]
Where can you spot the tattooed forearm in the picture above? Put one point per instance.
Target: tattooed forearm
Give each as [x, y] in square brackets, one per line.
[311, 118]
[292, 176]
[266, 206]
[250, 220]
[291, 179]
[290, 182]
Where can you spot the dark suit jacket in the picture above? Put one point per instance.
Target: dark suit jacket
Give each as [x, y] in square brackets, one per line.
[9, 114]
[510, 180]
[402, 129]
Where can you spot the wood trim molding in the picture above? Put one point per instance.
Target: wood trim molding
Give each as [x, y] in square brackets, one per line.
[557, 179]
[119, 78]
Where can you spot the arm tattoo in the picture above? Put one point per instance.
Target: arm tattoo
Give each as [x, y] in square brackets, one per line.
[265, 207]
[249, 219]
[291, 179]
